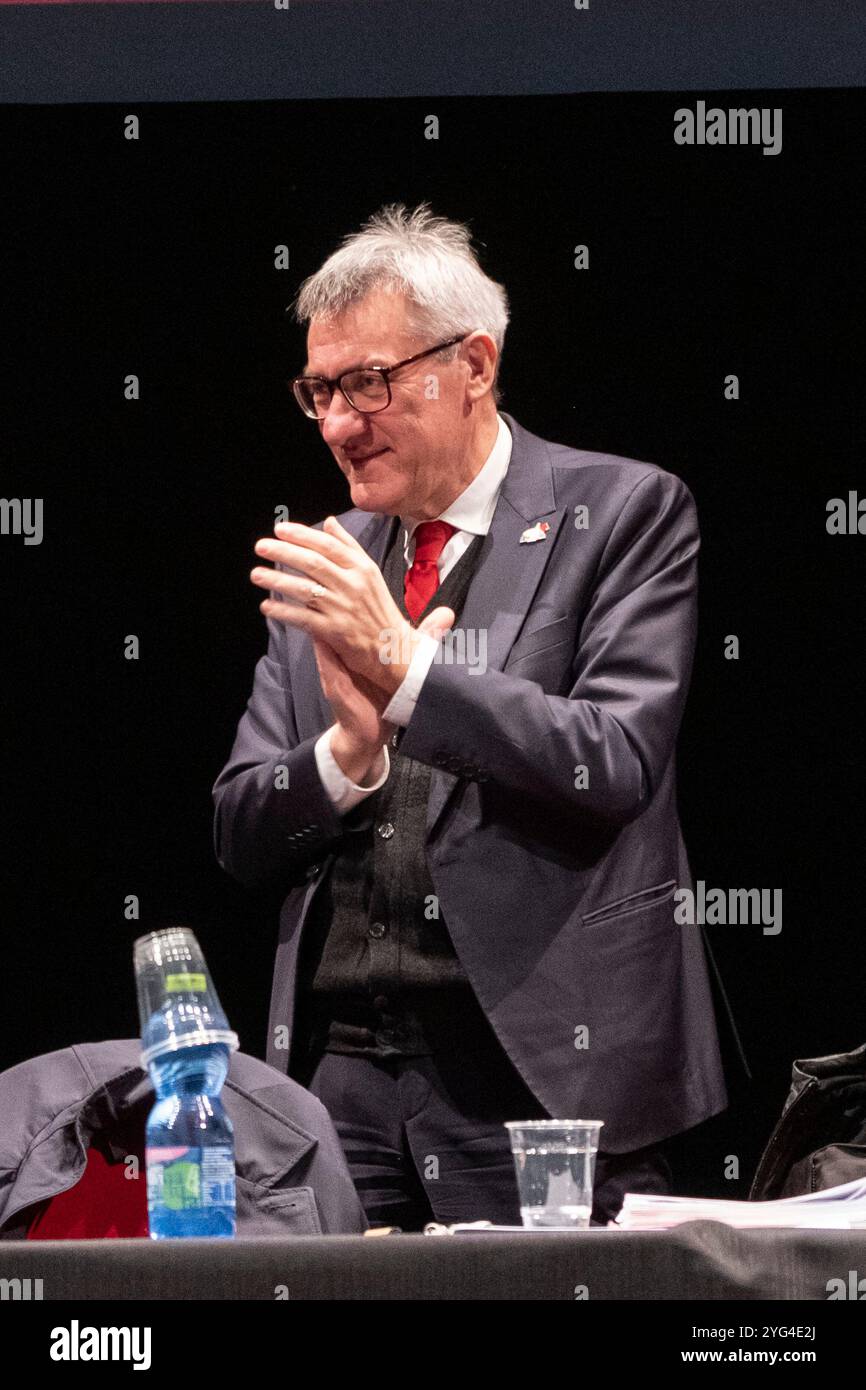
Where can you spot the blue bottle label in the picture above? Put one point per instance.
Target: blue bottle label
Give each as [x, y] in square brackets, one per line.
[188, 1178]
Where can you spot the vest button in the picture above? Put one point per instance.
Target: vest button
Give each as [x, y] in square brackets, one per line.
[377, 930]
[385, 1037]
[386, 829]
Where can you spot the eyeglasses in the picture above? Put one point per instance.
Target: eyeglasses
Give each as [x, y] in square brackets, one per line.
[367, 389]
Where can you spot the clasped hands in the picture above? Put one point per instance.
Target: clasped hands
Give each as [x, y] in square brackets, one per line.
[363, 644]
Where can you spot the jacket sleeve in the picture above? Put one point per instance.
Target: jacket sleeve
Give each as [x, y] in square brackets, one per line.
[631, 669]
[273, 815]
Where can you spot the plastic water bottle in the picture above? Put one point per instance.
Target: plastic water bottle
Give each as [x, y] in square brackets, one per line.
[190, 1145]
[186, 1044]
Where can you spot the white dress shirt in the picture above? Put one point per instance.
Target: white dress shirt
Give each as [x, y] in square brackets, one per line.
[471, 514]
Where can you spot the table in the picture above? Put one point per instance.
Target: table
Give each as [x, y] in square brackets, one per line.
[697, 1260]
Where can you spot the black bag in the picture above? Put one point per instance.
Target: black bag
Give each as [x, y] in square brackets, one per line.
[820, 1139]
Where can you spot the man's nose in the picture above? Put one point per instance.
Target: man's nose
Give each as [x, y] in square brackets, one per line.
[342, 423]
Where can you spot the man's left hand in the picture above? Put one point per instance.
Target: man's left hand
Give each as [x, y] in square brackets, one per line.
[357, 616]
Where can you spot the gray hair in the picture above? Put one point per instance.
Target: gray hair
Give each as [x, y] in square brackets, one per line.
[430, 260]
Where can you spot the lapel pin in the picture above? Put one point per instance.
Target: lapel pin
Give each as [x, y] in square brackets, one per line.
[535, 533]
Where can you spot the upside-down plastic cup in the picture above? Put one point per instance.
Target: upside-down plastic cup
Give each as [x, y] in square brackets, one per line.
[177, 1004]
[555, 1163]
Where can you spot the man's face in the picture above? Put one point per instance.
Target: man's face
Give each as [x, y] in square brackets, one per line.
[404, 459]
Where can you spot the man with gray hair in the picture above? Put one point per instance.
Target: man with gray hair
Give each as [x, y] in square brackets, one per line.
[479, 854]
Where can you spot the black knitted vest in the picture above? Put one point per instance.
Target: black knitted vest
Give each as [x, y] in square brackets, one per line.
[376, 955]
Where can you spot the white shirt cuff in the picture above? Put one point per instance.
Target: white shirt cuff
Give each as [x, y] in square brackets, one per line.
[344, 793]
[401, 706]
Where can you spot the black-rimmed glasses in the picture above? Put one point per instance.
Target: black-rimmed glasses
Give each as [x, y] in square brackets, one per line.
[367, 389]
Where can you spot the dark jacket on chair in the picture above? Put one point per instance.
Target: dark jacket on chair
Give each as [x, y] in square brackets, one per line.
[820, 1139]
[292, 1177]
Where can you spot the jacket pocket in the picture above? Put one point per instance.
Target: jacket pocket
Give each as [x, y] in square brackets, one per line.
[632, 902]
[265, 1211]
[540, 638]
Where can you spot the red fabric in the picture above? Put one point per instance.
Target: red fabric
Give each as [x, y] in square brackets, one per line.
[103, 1204]
[422, 580]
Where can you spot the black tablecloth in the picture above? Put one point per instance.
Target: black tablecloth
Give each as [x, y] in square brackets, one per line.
[698, 1260]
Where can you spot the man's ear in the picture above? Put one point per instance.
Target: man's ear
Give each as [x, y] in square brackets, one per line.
[481, 352]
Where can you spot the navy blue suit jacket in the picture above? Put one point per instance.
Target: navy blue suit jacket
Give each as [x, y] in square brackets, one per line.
[557, 885]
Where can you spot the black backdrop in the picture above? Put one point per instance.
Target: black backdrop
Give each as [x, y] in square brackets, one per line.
[155, 257]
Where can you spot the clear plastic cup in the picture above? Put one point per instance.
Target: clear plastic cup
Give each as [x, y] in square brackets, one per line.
[555, 1163]
[177, 1003]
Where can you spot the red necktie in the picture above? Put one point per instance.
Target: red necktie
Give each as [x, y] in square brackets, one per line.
[422, 580]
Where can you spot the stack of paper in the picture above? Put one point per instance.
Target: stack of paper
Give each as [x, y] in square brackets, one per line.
[842, 1207]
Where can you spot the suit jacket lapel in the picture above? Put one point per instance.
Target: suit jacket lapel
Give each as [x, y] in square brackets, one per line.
[507, 574]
